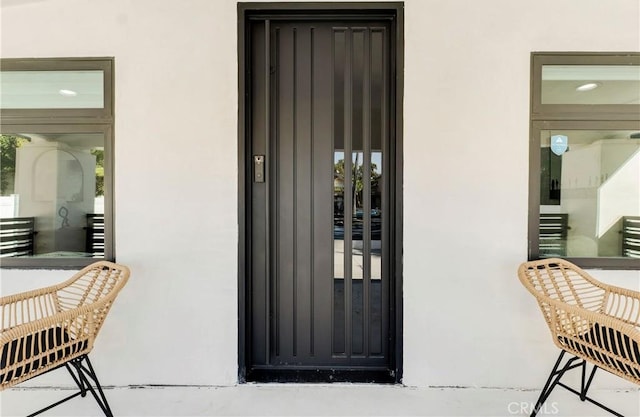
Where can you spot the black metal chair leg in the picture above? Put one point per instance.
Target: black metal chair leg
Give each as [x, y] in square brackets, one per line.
[49, 407]
[553, 380]
[88, 372]
[584, 389]
[585, 385]
[85, 378]
[77, 379]
[556, 375]
[545, 390]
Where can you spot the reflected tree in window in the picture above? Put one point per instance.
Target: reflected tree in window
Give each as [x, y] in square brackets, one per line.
[357, 175]
[8, 146]
[99, 154]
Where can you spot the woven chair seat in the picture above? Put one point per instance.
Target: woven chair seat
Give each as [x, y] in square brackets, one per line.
[615, 343]
[50, 345]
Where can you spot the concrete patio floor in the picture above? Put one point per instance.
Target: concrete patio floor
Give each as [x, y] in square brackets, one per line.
[317, 400]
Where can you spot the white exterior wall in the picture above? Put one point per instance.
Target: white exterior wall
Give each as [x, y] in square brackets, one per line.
[467, 319]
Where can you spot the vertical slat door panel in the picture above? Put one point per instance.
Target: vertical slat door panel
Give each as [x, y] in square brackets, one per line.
[260, 293]
[322, 184]
[339, 83]
[284, 141]
[303, 320]
[319, 287]
[379, 125]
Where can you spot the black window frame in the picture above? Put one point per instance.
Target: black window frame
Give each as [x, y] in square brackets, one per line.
[573, 117]
[68, 120]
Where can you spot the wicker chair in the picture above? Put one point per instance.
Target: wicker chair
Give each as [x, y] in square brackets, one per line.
[55, 327]
[593, 322]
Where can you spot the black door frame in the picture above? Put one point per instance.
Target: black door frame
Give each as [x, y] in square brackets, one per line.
[329, 10]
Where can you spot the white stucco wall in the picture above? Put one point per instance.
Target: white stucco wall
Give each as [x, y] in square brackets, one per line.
[467, 320]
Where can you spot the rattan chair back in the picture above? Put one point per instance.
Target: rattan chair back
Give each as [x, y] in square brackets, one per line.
[592, 320]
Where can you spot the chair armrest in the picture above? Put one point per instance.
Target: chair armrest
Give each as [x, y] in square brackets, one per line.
[623, 304]
[80, 323]
[26, 307]
[24, 329]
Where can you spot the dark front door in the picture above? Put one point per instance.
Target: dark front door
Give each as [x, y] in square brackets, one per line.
[320, 291]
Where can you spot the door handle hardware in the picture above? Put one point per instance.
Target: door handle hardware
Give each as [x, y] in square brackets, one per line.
[258, 168]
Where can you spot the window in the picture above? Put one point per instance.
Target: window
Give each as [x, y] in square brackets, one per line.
[56, 168]
[585, 159]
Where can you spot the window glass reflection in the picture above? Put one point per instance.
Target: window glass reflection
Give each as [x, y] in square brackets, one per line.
[358, 221]
[375, 338]
[590, 84]
[589, 188]
[376, 215]
[338, 254]
[52, 195]
[359, 126]
[52, 89]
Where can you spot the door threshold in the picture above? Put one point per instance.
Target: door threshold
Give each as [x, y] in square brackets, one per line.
[321, 376]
